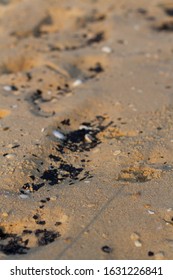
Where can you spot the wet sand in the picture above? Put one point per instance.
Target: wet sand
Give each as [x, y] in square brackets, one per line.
[86, 129]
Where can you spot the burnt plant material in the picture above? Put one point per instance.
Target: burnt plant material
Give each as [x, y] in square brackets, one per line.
[97, 68]
[51, 176]
[72, 171]
[169, 11]
[76, 140]
[45, 236]
[97, 38]
[12, 244]
[107, 249]
[166, 26]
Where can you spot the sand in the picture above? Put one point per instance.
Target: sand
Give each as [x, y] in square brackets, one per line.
[86, 129]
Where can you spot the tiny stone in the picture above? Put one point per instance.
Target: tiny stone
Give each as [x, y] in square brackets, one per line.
[4, 214]
[169, 242]
[53, 198]
[10, 156]
[59, 135]
[169, 209]
[86, 182]
[7, 88]
[116, 152]
[106, 49]
[151, 212]
[134, 236]
[23, 196]
[138, 243]
[76, 83]
[88, 138]
[159, 256]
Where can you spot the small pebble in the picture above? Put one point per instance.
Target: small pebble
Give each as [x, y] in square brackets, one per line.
[86, 182]
[53, 198]
[106, 49]
[7, 88]
[77, 83]
[138, 243]
[10, 156]
[169, 242]
[85, 127]
[59, 135]
[5, 214]
[134, 236]
[159, 256]
[23, 196]
[88, 138]
[116, 152]
[151, 212]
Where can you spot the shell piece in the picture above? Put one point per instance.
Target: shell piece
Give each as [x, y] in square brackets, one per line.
[59, 135]
[77, 83]
[88, 138]
[106, 49]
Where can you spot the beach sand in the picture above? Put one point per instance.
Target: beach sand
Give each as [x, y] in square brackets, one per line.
[86, 129]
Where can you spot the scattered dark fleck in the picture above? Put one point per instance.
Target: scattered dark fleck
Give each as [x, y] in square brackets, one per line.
[27, 231]
[169, 11]
[32, 177]
[42, 206]
[150, 253]
[159, 128]
[41, 222]
[38, 232]
[107, 249]
[48, 198]
[4, 155]
[142, 11]
[51, 175]
[66, 122]
[97, 38]
[97, 68]
[58, 224]
[14, 88]
[36, 187]
[26, 242]
[29, 76]
[43, 201]
[15, 146]
[55, 158]
[45, 237]
[14, 244]
[35, 217]
[165, 26]
[14, 247]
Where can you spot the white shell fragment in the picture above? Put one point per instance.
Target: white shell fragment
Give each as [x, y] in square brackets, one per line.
[88, 138]
[151, 212]
[77, 83]
[10, 156]
[106, 49]
[7, 88]
[84, 127]
[59, 135]
[23, 196]
[138, 243]
[134, 236]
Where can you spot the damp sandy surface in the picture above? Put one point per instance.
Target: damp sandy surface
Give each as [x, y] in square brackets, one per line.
[86, 129]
